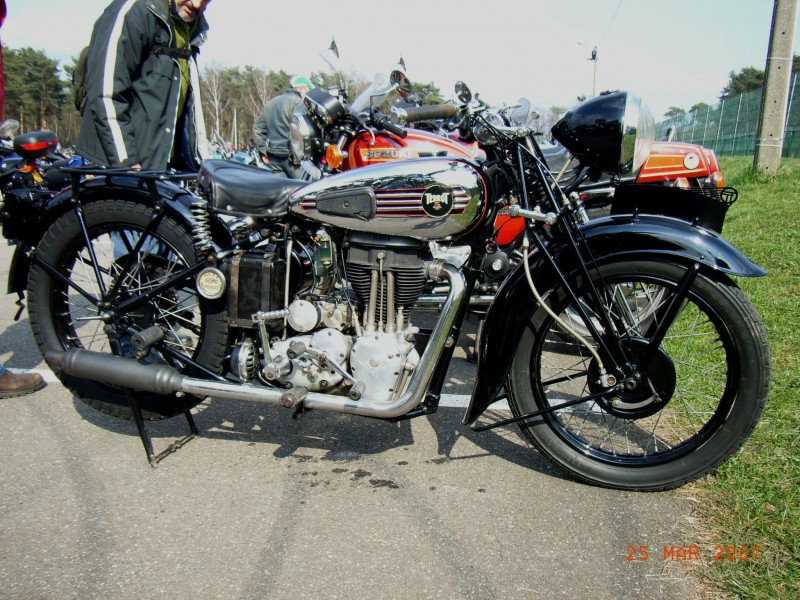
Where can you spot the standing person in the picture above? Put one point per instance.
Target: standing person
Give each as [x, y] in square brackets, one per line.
[271, 129]
[13, 384]
[142, 93]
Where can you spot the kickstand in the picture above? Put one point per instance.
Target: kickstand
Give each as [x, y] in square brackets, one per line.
[147, 442]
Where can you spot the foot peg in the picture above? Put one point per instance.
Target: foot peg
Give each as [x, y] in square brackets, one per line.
[294, 397]
[356, 391]
[142, 340]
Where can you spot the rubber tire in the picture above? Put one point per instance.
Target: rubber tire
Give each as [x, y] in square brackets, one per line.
[743, 324]
[62, 237]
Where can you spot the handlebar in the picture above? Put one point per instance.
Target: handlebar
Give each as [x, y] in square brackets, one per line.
[427, 113]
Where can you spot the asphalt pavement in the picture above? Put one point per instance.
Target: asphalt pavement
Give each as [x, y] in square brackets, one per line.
[330, 506]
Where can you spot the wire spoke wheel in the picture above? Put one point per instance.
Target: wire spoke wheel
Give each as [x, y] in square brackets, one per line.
[682, 411]
[176, 311]
[124, 259]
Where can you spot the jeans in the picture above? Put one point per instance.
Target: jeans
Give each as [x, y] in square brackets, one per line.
[284, 164]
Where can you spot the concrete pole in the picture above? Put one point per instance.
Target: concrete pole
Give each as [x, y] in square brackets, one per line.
[769, 139]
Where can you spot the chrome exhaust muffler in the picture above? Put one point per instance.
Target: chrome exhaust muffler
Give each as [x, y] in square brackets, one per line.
[162, 379]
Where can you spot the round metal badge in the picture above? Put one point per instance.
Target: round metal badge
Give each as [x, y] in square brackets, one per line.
[437, 201]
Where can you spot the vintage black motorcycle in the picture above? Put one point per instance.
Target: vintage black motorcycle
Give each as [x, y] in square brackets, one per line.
[627, 354]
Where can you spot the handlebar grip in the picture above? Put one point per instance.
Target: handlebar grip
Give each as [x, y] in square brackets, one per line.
[395, 129]
[384, 122]
[429, 112]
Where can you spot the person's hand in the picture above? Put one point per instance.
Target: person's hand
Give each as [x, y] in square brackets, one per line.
[265, 159]
[137, 166]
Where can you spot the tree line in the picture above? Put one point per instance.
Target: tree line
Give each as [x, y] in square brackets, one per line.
[745, 80]
[39, 95]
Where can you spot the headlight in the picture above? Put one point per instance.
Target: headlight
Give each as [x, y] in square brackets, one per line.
[638, 134]
[613, 132]
[301, 132]
[483, 129]
[327, 108]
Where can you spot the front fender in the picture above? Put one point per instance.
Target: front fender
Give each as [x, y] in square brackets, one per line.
[177, 201]
[611, 239]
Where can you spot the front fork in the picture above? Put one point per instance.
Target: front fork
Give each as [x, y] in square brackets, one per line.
[614, 356]
[612, 353]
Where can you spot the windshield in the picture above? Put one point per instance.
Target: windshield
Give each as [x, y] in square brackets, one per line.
[522, 113]
[380, 93]
[8, 129]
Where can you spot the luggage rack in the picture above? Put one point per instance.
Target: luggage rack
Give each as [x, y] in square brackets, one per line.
[726, 195]
[704, 207]
[82, 175]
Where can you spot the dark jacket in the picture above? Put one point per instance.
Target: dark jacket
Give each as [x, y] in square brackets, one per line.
[271, 129]
[133, 88]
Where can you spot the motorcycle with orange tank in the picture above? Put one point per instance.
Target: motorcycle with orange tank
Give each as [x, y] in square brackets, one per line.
[146, 298]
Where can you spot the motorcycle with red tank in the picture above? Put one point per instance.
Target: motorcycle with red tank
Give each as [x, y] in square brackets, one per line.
[625, 350]
[682, 165]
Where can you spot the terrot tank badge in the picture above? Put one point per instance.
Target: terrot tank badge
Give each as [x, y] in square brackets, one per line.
[437, 201]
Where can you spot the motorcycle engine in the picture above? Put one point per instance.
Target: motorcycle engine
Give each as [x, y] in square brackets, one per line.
[354, 339]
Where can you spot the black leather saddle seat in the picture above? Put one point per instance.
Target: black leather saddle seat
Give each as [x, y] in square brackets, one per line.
[240, 189]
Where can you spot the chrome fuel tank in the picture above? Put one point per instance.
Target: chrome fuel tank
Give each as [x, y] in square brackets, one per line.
[427, 199]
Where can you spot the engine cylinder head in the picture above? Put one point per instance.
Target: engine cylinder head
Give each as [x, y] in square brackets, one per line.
[404, 258]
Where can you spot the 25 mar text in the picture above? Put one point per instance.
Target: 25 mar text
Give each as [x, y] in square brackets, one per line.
[732, 553]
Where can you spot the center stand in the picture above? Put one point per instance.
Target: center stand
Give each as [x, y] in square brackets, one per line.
[147, 442]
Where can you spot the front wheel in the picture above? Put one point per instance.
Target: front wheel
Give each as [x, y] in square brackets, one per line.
[699, 396]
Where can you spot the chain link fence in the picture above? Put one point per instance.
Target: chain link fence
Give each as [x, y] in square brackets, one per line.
[730, 128]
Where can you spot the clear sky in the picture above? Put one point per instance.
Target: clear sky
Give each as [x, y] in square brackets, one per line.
[671, 52]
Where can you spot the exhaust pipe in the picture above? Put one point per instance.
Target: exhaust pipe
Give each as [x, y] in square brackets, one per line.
[115, 370]
[158, 379]
[161, 379]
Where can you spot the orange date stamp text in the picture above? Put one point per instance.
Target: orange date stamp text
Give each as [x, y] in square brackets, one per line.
[687, 553]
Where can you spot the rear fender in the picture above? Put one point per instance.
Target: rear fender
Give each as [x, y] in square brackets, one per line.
[612, 239]
[177, 201]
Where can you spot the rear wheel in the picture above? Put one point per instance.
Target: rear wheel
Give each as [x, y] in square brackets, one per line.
[686, 409]
[106, 273]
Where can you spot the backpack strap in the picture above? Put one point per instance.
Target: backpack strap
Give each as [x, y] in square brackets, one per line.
[185, 53]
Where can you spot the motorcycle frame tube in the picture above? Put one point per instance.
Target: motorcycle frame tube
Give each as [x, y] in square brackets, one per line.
[176, 203]
[611, 239]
